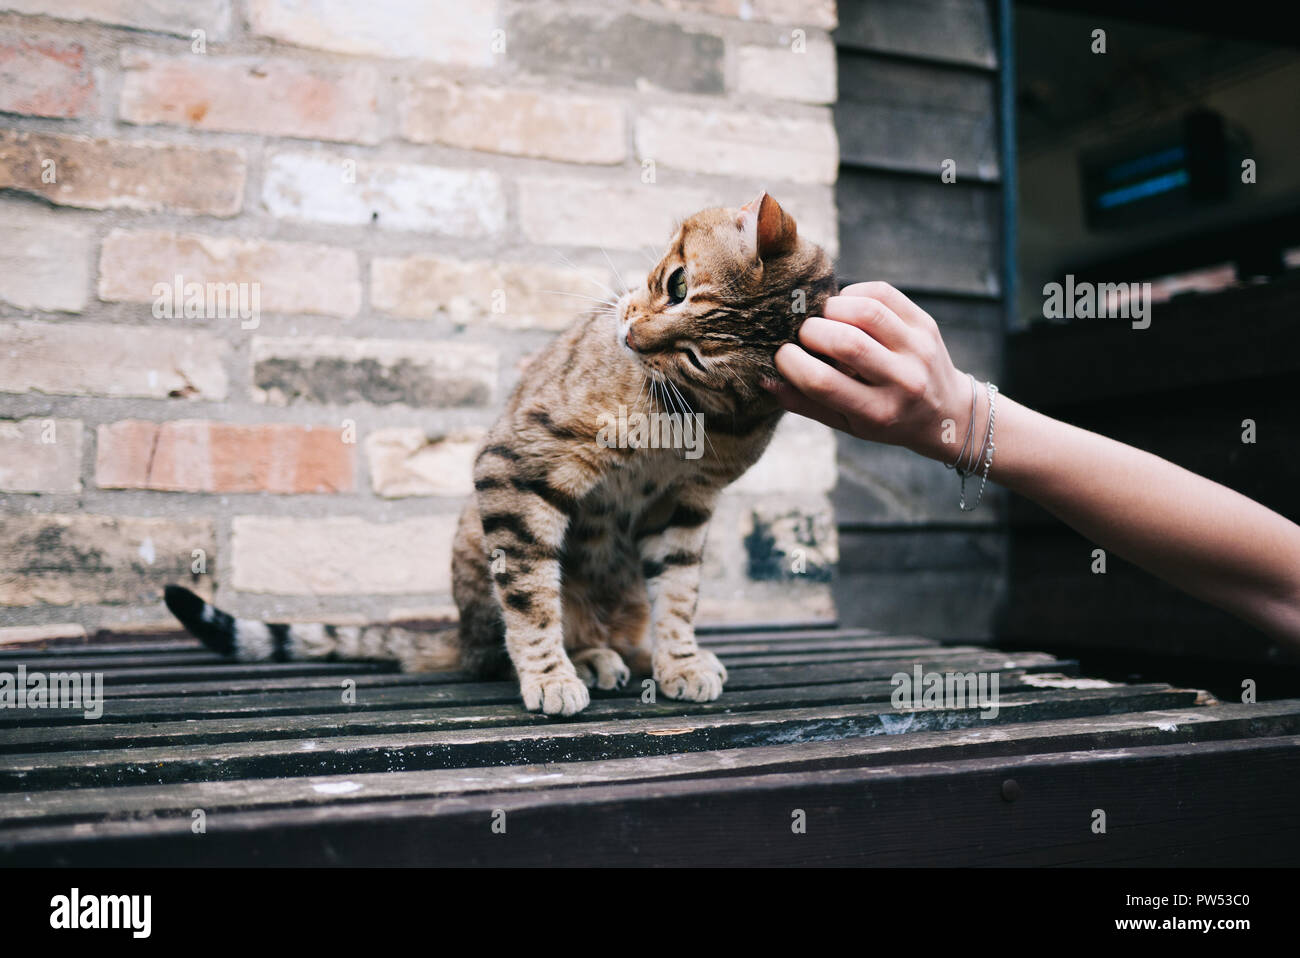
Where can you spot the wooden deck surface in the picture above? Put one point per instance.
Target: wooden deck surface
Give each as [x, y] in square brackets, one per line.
[427, 769]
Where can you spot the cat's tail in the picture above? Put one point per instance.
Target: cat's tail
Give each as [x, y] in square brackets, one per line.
[252, 641]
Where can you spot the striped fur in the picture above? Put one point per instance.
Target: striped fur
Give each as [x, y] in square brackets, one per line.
[577, 563]
[251, 641]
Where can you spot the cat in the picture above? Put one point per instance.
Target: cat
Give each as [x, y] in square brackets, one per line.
[577, 560]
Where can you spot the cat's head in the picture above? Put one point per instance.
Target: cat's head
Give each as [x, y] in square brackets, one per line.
[734, 285]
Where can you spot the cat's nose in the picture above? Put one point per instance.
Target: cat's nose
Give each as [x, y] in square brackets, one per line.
[631, 341]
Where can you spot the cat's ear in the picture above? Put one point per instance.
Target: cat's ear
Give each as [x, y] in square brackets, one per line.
[772, 228]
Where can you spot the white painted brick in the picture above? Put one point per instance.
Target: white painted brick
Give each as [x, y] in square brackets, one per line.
[40, 455]
[344, 555]
[290, 277]
[510, 295]
[314, 187]
[759, 146]
[406, 461]
[784, 74]
[637, 216]
[44, 261]
[445, 31]
[521, 122]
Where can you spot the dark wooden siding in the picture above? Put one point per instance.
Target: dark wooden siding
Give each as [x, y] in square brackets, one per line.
[919, 84]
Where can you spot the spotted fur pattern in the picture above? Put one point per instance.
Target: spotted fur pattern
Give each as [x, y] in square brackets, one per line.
[577, 562]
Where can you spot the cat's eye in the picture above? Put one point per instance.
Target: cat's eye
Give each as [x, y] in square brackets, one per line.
[677, 286]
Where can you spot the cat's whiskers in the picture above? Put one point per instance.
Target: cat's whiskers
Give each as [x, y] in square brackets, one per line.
[689, 411]
[726, 368]
[642, 390]
[622, 282]
[610, 303]
[577, 269]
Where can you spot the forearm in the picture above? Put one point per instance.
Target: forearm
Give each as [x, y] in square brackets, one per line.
[1196, 534]
[890, 379]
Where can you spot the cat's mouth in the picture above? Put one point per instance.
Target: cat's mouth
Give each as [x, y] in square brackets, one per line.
[665, 363]
[623, 334]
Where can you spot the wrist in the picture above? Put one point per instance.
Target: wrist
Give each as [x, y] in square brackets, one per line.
[954, 435]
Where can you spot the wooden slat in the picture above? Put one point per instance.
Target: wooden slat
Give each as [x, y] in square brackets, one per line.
[942, 31]
[742, 676]
[942, 238]
[745, 685]
[98, 648]
[480, 706]
[467, 745]
[1178, 803]
[912, 117]
[1104, 731]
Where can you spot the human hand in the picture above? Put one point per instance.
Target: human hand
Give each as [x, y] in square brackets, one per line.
[888, 379]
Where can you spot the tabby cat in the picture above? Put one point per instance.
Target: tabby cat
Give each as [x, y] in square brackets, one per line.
[578, 559]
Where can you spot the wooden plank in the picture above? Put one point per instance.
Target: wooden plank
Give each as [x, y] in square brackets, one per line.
[479, 706]
[191, 652]
[555, 741]
[89, 662]
[943, 31]
[1121, 730]
[179, 641]
[155, 702]
[937, 237]
[910, 117]
[136, 667]
[97, 648]
[226, 669]
[1165, 804]
[324, 702]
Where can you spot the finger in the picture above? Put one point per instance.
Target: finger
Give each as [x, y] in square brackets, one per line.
[872, 317]
[852, 349]
[792, 400]
[824, 385]
[903, 308]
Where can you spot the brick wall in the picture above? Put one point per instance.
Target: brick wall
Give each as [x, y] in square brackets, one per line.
[392, 187]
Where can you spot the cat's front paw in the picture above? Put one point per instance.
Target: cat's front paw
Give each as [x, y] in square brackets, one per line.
[696, 678]
[601, 668]
[562, 694]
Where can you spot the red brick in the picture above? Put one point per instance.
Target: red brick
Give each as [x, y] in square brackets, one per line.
[41, 76]
[251, 95]
[198, 456]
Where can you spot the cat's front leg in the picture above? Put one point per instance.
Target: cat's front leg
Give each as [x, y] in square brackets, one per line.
[524, 519]
[670, 562]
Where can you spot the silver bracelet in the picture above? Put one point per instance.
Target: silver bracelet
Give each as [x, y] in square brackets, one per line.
[986, 453]
[970, 429]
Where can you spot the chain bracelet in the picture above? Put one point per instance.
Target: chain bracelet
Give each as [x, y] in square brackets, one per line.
[970, 429]
[986, 452]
